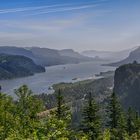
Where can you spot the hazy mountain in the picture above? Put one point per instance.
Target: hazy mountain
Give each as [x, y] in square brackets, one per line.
[72, 53]
[12, 66]
[45, 56]
[56, 57]
[108, 55]
[17, 51]
[134, 55]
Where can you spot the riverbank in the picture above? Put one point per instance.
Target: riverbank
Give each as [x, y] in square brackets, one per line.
[40, 82]
[99, 87]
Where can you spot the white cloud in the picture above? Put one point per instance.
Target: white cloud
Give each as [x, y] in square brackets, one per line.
[45, 9]
[65, 9]
[27, 9]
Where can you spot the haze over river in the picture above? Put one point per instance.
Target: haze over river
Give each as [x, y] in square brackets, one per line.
[39, 83]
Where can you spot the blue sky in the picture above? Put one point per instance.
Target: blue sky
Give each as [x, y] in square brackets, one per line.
[78, 24]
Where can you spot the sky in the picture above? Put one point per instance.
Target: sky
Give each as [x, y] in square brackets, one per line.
[109, 25]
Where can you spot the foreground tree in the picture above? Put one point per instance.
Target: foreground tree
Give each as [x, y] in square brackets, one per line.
[133, 122]
[113, 111]
[62, 110]
[6, 116]
[91, 124]
[27, 107]
[59, 121]
[116, 119]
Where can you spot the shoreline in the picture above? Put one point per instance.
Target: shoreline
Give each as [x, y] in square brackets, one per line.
[83, 80]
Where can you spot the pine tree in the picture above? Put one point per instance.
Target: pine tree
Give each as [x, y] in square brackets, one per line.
[59, 121]
[122, 127]
[27, 107]
[6, 117]
[62, 111]
[116, 119]
[137, 121]
[91, 124]
[133, 121]
[113, 112]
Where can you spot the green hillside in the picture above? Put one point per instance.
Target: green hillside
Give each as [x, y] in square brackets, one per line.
[13, 66]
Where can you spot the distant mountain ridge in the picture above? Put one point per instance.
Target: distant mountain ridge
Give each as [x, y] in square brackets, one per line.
[13, 66]
[45, 56]
[109, 55]
[133, 56]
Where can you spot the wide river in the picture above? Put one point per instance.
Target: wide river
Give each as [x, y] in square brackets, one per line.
[39, 83]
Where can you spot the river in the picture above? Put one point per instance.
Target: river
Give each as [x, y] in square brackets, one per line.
[39, 83]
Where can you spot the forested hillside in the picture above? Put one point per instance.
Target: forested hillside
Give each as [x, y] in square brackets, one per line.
[87, 110]
[25, 119]
[13, 66]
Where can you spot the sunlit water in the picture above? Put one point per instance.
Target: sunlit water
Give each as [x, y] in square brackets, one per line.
[39, 83]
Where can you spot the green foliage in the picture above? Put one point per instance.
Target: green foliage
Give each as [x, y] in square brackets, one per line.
[57, 129]
[133, 121]
[62, 111]
[91, 119]
[114, 111]
[20, 119]
[58, 123]
[6, 118]
[116, 119]
[27, 108]
[106, 135]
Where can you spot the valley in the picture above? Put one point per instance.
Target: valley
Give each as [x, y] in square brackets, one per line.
[40, 82]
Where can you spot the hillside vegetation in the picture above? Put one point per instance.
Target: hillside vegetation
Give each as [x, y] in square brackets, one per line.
[22, 119]
[86, 110]
[13, 66]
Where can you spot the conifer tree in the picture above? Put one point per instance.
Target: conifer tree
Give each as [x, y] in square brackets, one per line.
[6, 117]
[137, 121]
[59, 121]
[130, 121]
[122, 127]
[62, 110]
[133, 121]
[113, 112]
[116, 119]
[27, 107]
[91, 124]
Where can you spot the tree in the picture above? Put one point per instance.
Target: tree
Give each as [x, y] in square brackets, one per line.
[91, 119]
[113, 111]
[133, 121]
[6, 116]
[62, 111]
[27, 107]
[122, 127]
[106, 135]
[116, 119]
[59, 120]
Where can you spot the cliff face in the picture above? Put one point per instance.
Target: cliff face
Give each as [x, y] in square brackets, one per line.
[127, 85]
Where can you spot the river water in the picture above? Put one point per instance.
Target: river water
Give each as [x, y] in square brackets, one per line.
[39, 83]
